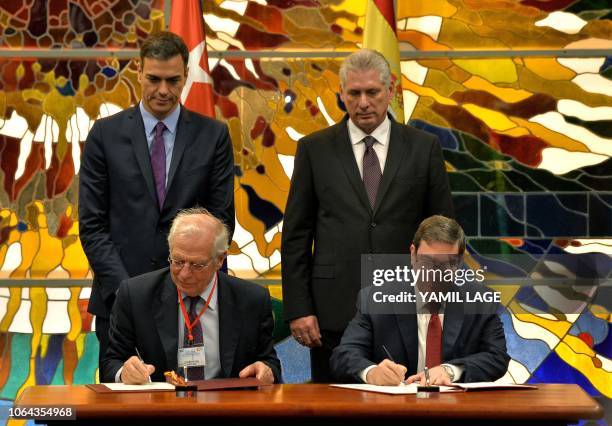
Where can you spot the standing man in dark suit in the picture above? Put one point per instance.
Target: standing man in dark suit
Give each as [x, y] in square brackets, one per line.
[140, 167]
[191, 305]
[459, 340]
[361, 186]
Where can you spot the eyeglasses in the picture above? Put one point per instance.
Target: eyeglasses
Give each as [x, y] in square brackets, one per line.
[195, 267]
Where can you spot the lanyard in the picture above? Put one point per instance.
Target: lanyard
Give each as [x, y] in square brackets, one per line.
[188, 323]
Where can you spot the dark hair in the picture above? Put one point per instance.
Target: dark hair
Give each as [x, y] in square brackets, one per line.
[163, 46]
[440, 229]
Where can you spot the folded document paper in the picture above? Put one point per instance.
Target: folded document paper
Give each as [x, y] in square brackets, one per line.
[413, 387]
[146, 387]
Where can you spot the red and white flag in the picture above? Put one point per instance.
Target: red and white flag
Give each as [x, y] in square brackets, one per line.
[187, 21]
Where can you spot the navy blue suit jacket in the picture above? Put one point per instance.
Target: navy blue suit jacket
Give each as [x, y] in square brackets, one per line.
[471, 338]
[122, 230]
[145, 315]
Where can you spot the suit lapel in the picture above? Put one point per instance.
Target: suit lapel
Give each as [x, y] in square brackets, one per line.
[166, 320]
[344, 150]
[183, 134]
[141, 149]
[453, 321]
[395, 153]
[229, 326]
[407, 324]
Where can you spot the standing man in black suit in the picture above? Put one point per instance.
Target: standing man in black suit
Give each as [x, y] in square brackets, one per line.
[459, 340]
[140, 167]
[361, 186]
[191, 307]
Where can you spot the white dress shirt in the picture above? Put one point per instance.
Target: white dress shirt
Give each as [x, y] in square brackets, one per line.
[210, 329]
[382, 134]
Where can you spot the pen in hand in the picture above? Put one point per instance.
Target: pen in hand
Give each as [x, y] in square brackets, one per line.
[391, 359]
[141, 360]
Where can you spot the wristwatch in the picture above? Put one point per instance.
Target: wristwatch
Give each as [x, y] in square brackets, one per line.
[449, 370]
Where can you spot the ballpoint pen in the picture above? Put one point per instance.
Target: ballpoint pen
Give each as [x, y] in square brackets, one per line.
[141, 360]
[390, 358]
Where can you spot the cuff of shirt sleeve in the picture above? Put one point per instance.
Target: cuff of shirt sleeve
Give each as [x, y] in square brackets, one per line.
[118, 375]
[364, 373]
[457, 370]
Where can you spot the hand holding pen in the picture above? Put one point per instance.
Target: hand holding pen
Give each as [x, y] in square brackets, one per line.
[387, 372]
[135, 371]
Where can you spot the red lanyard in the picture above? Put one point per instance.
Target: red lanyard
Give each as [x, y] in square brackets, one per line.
[189, 324]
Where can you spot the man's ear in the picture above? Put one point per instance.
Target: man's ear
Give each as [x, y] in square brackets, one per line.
[139, 69]
[412, 250]
[220, 259]
[342, 94]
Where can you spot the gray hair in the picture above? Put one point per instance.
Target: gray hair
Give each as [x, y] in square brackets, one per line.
[179, 227]
[440, 229]
[366, 60]
[163, 46]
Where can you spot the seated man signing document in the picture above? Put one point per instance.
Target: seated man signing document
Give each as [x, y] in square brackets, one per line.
[190, 317]
[438, 339]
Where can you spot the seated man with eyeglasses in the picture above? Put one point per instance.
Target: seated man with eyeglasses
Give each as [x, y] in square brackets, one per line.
[190, 317]
[439, 330]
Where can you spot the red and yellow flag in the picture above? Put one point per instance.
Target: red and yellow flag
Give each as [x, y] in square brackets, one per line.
[188, 22]
[380, 35]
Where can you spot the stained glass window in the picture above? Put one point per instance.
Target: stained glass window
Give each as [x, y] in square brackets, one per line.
[526, 138]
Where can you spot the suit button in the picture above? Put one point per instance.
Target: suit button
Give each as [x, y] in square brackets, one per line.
[153, 261]
[373, 224]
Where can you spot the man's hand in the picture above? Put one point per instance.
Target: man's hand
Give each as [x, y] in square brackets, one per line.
[260, 371]
[387, 373]
[437, 377]
[136, 372]
[306, 331]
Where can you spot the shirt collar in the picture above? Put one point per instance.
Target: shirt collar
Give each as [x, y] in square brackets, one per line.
[380, 133]
[150, 121]
[204, 295]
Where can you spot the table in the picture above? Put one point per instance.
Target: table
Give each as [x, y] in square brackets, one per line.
[550, 404]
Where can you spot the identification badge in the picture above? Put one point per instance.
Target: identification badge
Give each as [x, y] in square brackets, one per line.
[192, 356]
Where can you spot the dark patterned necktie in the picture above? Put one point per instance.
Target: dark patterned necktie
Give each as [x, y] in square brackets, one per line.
[158, 162]
[433, 344]
[194, 373]
[371, 170]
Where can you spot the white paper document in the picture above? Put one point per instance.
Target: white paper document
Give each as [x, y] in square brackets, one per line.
[394, 390]
[413, 387]
[147, 387]
[493, 386]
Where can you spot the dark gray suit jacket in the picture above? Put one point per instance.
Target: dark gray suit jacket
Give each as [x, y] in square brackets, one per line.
[145, 316]
[122, 230]
[472, 338]
[328, 207]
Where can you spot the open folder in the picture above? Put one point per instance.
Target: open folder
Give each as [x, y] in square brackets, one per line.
[413, 387]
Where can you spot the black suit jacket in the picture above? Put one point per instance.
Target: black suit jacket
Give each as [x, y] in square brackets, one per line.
[122, 230]
[328, 206]
[145, 316]
[471, 338]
